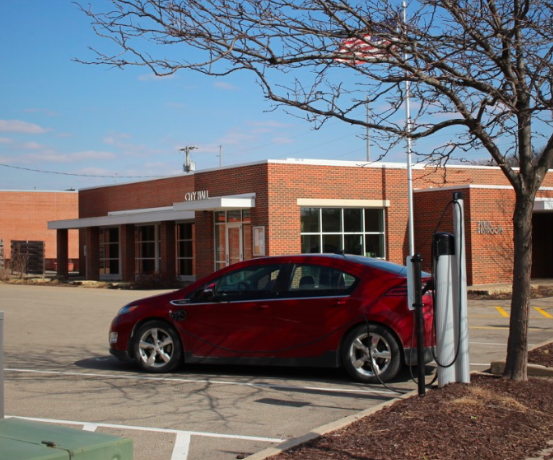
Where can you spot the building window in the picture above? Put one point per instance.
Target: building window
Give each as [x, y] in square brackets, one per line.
[147, 249]
[185, 250]
[109, 252]
[354, 230]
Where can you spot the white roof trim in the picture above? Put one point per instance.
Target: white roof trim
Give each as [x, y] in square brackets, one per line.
[106, 221]
[220, 203]
[179, 211]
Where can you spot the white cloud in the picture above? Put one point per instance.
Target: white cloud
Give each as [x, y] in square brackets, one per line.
[47, 112]
[31, 146]
[6, 140]
[154, 77]
[116, 138]
[91, 155]
[282, 140]
[225, 86]
[268, 124]
[51, 156]
[18, 126]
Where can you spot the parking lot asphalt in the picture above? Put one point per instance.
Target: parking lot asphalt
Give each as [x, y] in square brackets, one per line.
[58, 370]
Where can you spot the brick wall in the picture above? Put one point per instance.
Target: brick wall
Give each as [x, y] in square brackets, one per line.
[24, 215]
[99, 201]
[278, 185]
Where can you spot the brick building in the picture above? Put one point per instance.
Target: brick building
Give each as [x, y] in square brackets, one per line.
[24, 217]
[193, 224]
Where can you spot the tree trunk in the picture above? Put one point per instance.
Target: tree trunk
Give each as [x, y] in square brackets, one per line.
[517, 348]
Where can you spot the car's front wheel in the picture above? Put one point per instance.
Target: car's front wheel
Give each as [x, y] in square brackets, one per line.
[157, 347]
[370, 355]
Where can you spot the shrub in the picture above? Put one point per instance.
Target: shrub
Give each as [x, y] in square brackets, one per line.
[157, 280]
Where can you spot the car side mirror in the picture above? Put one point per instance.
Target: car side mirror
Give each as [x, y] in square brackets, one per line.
[208, 294]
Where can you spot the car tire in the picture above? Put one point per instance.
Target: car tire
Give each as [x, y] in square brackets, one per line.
[157, 347]
[384, 353]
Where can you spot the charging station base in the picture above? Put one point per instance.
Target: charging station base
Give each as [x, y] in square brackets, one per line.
[29, 440]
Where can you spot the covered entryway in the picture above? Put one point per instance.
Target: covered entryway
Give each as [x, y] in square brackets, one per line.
[542, 239]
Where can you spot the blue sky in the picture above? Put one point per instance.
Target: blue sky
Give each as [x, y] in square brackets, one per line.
[78, 120]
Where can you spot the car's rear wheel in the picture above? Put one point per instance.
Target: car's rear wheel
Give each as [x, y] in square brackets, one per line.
[157, 347]
[371, 356]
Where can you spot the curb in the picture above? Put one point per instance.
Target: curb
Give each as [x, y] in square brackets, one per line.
[332, 426]
[533, 370]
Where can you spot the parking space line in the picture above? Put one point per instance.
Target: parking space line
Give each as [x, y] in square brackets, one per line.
[502, 311]
[543, 312]
[211, 382]
[182, 441]
[182, 446]
[90, 427]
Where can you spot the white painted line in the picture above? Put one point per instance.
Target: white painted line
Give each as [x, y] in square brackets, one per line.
[211, 382]
[90, 427]
[182, 446]
[154, 430]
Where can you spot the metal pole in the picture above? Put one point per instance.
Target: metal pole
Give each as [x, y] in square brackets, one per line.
[409, 153]
[1, 364]
[368, 131]
[417, 280]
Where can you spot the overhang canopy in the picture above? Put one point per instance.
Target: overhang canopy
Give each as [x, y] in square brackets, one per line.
[543, 204]
[184, 211]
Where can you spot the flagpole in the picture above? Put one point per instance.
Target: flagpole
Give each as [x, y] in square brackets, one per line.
[408, 126]
[368, 131]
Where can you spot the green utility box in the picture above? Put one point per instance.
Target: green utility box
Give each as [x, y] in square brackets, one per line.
[28, 440]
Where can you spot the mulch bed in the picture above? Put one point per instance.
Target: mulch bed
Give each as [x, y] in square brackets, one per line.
[542, 355]
[490, 419]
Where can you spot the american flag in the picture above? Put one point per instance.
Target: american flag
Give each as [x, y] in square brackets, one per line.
[370, 47]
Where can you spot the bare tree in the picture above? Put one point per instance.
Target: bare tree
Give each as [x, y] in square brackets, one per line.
[480, 70]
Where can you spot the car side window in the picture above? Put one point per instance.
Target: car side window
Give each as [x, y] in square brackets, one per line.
[317, 280]
[249, 283]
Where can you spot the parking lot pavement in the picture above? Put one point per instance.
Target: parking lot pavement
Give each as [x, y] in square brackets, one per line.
[58, 370]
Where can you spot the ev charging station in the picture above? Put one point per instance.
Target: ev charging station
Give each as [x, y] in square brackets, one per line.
[450, 302]
[450, 307]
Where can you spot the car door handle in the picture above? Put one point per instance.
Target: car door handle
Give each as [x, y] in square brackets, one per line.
[261, 307]
[338, 303]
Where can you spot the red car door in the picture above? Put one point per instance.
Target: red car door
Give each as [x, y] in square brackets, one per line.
[233, 317]
[314, 311]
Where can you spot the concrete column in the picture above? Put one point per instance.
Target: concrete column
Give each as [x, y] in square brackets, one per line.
[62, 252]
[93, 253]
[168, 248]
[127, 242]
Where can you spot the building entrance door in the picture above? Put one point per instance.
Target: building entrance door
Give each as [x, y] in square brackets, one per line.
[229, 249]
[234, 243]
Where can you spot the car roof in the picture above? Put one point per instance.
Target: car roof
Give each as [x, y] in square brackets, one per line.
[378, 264]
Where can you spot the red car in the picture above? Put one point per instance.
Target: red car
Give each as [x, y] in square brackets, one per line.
[304, 310]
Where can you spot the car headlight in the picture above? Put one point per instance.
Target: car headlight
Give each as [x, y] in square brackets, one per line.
[113, 337]
[127, 309]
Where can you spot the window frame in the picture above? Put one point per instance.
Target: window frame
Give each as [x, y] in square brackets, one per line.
[319, 235]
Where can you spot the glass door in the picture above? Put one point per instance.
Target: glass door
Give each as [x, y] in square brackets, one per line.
[228, 245]
[234, 243]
